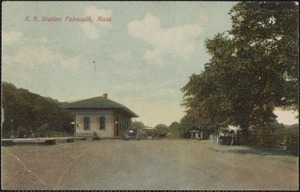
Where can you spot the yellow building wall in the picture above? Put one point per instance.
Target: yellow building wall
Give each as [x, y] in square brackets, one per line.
[95, 124]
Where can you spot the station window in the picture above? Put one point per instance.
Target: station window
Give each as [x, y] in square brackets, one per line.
[86, 123]
[102, 123]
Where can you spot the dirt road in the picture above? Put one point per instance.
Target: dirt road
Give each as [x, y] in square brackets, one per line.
[146, 165]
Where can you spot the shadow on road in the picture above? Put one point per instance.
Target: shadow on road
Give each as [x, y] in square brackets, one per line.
[254, 151]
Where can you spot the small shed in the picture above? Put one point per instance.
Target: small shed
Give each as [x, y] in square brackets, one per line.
[196, 134]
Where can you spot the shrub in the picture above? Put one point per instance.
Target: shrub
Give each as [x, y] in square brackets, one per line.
[292, 140]
[176, 131]
[22, 132]
[43, 130]
[286, 139]
[162, 129]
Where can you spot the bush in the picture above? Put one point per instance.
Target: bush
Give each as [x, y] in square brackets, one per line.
[162, 129]
[22, 132]
[176, 131]
[43, 130]
[292, 140]
[286, 139]
[59, 134]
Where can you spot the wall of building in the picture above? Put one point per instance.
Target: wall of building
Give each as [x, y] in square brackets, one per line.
[123, 123]
[94, 117]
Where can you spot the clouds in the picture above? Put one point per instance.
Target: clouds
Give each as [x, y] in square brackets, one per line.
[177, 41]
[10, 37]
[39, 53]
[287, 117]
[92, 30]
[71, 62]
[32, 56]
[43, 40]
[94, 13]
[122, 56]
[25, 55]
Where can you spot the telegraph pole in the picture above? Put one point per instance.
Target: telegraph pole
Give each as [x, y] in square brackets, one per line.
[12, 128]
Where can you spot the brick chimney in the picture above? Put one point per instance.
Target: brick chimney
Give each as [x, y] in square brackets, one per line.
[105, 95]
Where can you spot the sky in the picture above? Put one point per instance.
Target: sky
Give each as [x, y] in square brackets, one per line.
[141, 55]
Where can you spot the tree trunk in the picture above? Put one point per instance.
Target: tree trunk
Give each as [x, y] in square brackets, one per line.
[244, 135]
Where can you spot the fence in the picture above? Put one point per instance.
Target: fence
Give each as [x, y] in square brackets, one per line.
[285, 139]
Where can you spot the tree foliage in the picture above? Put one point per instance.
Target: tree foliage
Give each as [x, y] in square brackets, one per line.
[161, 129]
[176, 130]
[254, 68]
[137, 125]
[187, 124]
[27, 113]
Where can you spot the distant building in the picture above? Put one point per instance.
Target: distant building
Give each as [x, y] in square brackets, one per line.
[196, 133]
[100, 115]
[234, 128]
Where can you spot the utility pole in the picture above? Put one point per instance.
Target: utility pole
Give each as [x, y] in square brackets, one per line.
[12, 128]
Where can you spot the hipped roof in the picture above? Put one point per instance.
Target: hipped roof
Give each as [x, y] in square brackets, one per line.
[98, 103]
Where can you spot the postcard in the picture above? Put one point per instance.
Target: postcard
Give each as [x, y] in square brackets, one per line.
[149, 95]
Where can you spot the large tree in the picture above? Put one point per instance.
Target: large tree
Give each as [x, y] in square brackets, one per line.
[187, 124]
[162, 129]
[137, 125]
[207, 107]
[254, 68]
